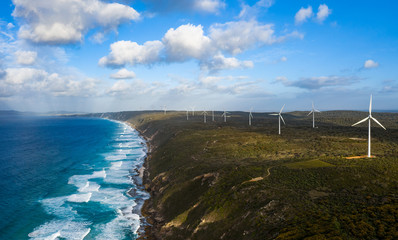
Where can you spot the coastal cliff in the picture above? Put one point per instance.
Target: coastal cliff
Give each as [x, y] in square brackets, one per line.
[231, 181]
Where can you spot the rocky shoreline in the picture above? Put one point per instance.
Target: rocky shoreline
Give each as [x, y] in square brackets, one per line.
[153, 220]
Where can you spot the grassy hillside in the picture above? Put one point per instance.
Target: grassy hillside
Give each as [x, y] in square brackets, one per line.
[231, 181]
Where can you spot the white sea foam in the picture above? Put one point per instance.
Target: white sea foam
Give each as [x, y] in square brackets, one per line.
[57, 207]
[116, 157]
[66, 229]
[124, 151]
[113, 230]
[98, 174]
[90, 187]
[130, 144]
[113, 197]
[80, 198]
[80, 181]
[119, 175]
[117, 165]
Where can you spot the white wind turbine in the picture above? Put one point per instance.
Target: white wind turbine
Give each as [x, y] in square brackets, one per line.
[250, 116]
[164, 109]
[369, 118]
[225, 115]
[313, 114]
[187, 114]
[193, 110]
[204, 113]
[280, 117]
[212, 115]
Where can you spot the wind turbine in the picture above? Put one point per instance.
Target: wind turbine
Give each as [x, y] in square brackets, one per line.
[313, 114]
[250, 116]
[225, 115]
[204, 113]
[369, 118]
[193, 110]
[164, 109]
[280, 117]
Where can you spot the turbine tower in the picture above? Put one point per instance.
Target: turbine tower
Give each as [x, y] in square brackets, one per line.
[193, 110]
[225, 115]
[250, 116]
[313, 114]
[369, 118]
[280, 117]
[187, 114]
[164, 109]
[212, 115]
[204, 113]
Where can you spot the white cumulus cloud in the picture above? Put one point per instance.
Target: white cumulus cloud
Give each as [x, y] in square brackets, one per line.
[10, 26]
[64, 22]
[123, 74]
[21, 81]
[127, 52]
[303, 14]
[26, 57]
[187, 41]
[210, 6]
[323, 12]
[370, 64]
[236, 37]
[205, 6]
[220, 62]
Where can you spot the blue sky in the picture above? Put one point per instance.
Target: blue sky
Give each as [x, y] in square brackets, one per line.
[101, 55]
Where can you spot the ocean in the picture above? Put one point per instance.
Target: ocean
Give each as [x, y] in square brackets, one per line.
[69, 178]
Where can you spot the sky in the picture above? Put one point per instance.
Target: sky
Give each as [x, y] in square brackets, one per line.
[103, 55]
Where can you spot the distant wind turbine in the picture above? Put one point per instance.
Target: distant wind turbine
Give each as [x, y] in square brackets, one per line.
[204, 113]
[369, 118]
[250, 116]
[280, 117]
[164, 109]
[225, 115]
[313, 114]
[212, 115]
[193, 110]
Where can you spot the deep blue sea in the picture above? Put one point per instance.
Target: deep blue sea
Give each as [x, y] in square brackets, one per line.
[69, 178]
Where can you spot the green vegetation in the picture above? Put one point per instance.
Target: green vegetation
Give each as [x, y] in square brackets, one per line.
[231, 181]
[309, 164]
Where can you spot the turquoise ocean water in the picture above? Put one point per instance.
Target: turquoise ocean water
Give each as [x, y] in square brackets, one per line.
[69, 178]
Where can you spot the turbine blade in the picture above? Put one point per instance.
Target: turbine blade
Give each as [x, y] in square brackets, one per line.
[313, 105]
[282, 119]
[370, 105]
[282, 108]
[274, 114]
[363, 120]
[374, 119]
[317, 110]
[310, 112]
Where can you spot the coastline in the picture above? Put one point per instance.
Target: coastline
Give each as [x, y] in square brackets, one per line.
[226, 180]
[146, 211]
[140, 179]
